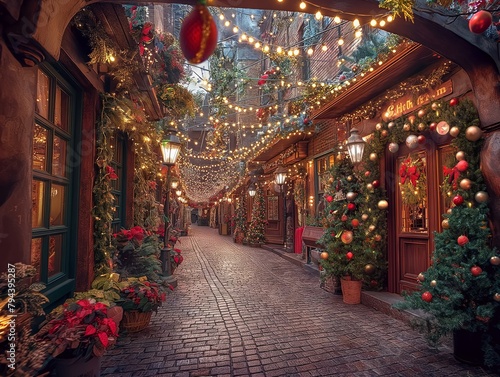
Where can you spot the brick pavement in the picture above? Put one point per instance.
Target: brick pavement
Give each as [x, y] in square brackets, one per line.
[242, 311]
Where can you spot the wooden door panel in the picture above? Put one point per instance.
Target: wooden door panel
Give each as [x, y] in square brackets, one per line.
[413, 260]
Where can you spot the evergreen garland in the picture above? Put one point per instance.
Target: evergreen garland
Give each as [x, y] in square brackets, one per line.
[256, 230]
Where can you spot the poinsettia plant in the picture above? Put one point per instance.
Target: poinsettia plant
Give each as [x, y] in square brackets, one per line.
[176, 257]
[140, 294]
[82, 329]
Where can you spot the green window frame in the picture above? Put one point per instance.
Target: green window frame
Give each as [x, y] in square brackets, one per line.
[118, 188]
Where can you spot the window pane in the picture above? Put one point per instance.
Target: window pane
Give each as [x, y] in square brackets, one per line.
[61, 109]
[37, 194]
[42, 95]
[57, 204]
[59, 157]
[36, 256]
[55, 254]
[40, 136]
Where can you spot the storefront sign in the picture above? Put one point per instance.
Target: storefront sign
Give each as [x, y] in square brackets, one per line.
[409, 103]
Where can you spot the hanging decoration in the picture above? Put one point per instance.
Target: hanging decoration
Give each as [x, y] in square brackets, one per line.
[413, 182]
[198, 35]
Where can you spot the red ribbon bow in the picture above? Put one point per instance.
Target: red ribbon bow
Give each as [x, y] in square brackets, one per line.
[410, 173]
[452, 174]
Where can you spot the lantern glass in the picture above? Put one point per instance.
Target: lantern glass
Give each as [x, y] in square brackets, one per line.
[252, 190]
[170, 148]
[280, 175]
[178, 192]
[174, 183]
[355, 146]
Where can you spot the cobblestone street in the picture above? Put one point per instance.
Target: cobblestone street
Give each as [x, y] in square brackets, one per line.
[242, 311]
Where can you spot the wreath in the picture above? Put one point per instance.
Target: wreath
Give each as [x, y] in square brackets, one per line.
[413, 181]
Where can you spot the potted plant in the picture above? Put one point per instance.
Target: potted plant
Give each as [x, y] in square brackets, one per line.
[175, 258]
[79, 334]
[139, 299]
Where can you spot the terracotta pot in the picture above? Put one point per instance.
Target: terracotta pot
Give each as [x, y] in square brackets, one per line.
[351, 290]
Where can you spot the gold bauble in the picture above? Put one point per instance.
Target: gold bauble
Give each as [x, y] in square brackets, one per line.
[448, 211]
[411, 118]
[369, 269]
[390, 125]
[378, 126]
[434, 106]
[422, 126]
[330, 180]
[324, 255]
[481, 196]
[445, 224]
[421, 277]
[383, 204]
[373, 157]
[369, 186]
[495, 260]
[460, 156]
[364, 217]
[454, 131]
[433, 283]
[496, 297]
[351, 196]
[473, 133]
[384, 133]
[406, 127]
[465, 184]
[349, 178]
[421, 113]
[371, 228]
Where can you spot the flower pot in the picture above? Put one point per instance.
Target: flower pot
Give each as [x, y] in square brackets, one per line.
[77, 367]
[467, 347]
[351, 290]
[135, 321]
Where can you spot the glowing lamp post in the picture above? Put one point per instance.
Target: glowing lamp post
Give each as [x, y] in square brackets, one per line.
[280, 178]
[252, 190]
[355, 146]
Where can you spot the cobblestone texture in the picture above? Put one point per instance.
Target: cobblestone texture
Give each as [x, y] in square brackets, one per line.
[242, 311]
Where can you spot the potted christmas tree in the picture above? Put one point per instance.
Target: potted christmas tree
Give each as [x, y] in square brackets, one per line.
[240, 220]
[256, 231]
[351, 235]
[461, 288]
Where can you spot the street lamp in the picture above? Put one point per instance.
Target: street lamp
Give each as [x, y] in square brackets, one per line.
[170, 148]
[280, 178]
[252, 190]
[355, 146]
[174, 183]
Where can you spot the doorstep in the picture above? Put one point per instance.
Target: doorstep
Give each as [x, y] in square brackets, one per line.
[381, 301]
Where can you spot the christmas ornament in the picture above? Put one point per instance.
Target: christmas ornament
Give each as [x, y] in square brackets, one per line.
[433, 126]
[453, 102]
[420, 277]
[383, 204]
[442, 128]
[458, 200]
[369, 186]
[349, 178]
[412, 141]
[346, 237]
[373, 283]
[433, 283]
[351, 196]
[473, 133]
[355, 223]
[421, 127]
[462, 166]
[371, 228]
[376, 183]
[460, 155]
[330, 180]
[465, 184]
[421, 113]
[454, 131]
[349, 255]
[406, 127]
[343, 218]
[462, 240]
[434, 106]
[351, 206]
[480, 22]
[384, 133]
[373, 157]
[329, 198]
[367, 173]
[198, 34]
[496, 297]
[445, 224]
[393, 147]
[481, 197]
[421, 139]
[427, 296]
[364, 217]
[378, 126]
[369, 269]
[390, 125]
[377, 237]
[324, 255]
[476, 271]
[411, 118]
[495, 260]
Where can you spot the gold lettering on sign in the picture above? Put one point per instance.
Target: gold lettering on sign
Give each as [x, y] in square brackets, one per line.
[408, 103]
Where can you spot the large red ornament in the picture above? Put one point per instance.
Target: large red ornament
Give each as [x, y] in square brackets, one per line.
[376, 183]
[329, 198]
[458, 199]
[427, 296]
[462, 240]
[480, 22]
[198, 35]
[476, 270]
[351, 206]
[355, 223]
[453, 102]
[346, 237]
[349, 255]
[462, 165]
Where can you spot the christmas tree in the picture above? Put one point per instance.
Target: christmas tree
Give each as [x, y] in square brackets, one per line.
[351, 235]
[461, 288]
[240, 219]
[256, 230]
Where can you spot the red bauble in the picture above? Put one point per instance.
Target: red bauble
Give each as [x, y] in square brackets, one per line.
[263, 79]
[433, 126]
[376, 183]
[421, 139]
[457, 200]
[367, 173]
[462, 240]
[349, 255]
[198, 35]
[462, 166]
[329, 198]
[351, 206]
[343, 218]
[355, 223]
[453, 102]
[427, 296]
[476, 270]
[480, 22]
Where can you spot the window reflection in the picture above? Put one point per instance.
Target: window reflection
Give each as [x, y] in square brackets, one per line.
[57, 204]
[37, 193]
[61, 109]
[36, 255]
[59, 157]
[42, 95]
[40, 135]
[55, 254]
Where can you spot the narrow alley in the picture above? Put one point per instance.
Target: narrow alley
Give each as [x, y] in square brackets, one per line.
[242, 311]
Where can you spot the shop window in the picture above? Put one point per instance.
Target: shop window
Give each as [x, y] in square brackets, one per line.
[322, 165]
[118, 145]
[53, 210]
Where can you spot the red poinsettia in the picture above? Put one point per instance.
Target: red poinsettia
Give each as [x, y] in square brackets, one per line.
[134, 233]
[110, 173]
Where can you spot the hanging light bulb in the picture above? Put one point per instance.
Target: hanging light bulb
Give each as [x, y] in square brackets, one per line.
[302, 5]
[310, 51]
[318, 15]
[340, 41]
[355, 23]
[324, 47]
